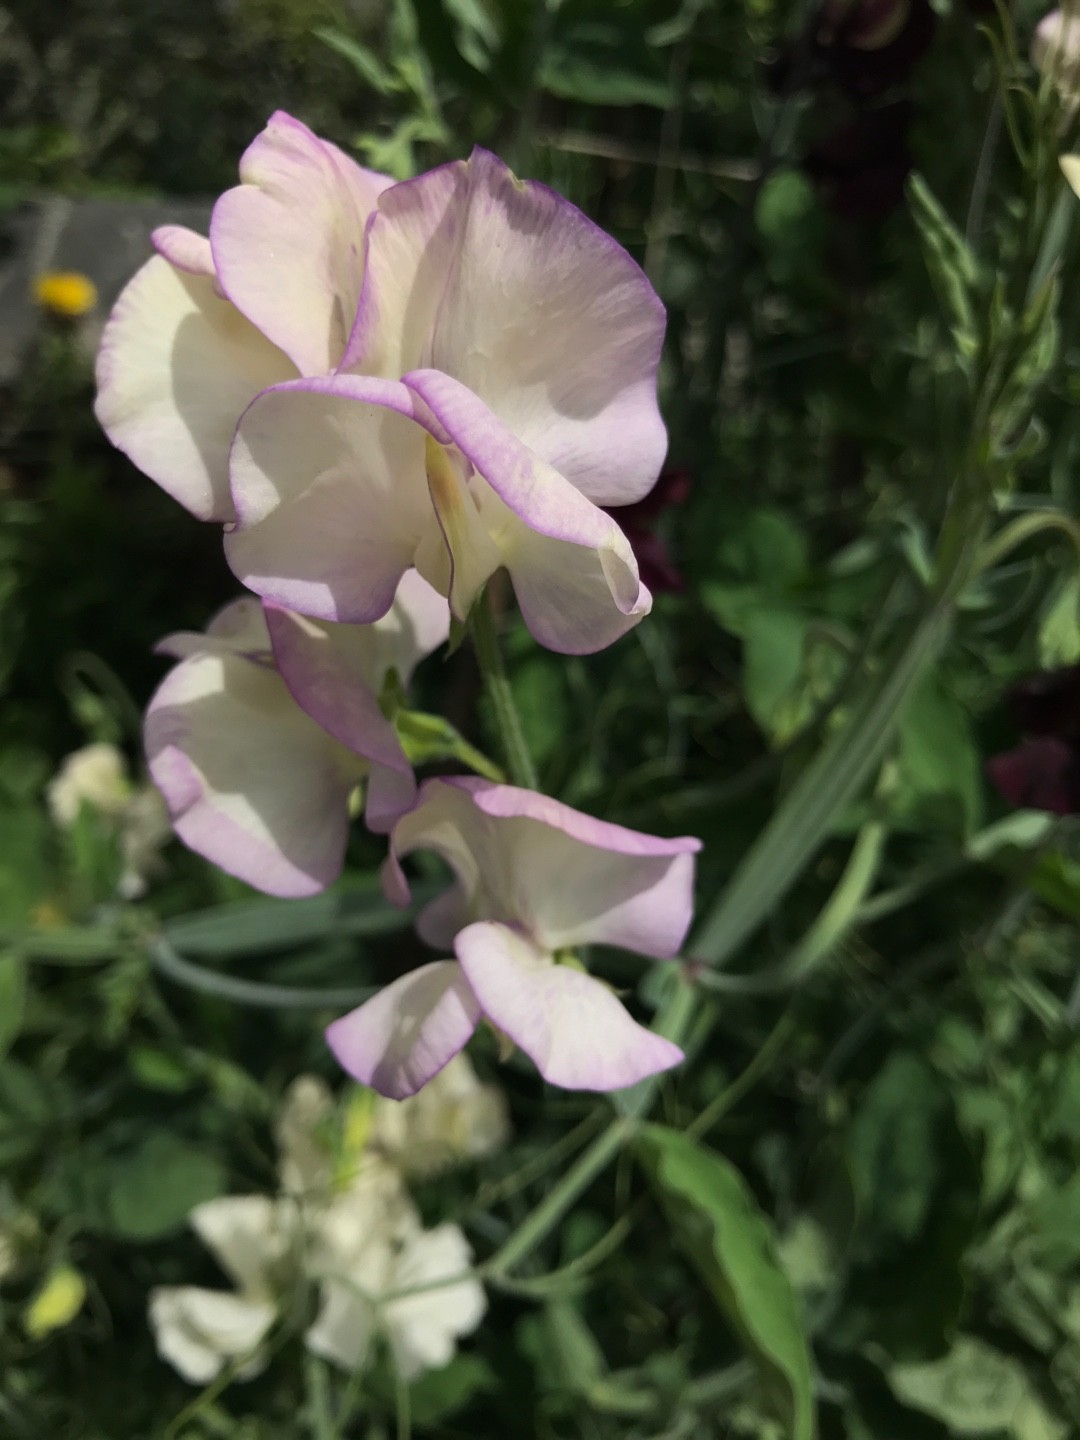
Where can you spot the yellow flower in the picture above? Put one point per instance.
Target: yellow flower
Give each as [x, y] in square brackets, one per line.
[65, 293]
[56, 1304]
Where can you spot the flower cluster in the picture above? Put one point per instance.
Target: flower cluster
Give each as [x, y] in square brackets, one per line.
[344, 1223]
[385, 394]
[96, 779]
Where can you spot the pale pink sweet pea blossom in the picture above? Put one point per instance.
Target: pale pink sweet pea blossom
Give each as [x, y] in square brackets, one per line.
[497, 389]
[207, 324]
[259, 736]
[534, 879]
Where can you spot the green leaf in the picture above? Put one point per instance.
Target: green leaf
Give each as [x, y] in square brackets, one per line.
[774, 647]
[918, 1190]
[363, 60]
[1059, 629]
[951, 263]
[732, 1244]
[539, 690]
[940, 765]
[439, 1394]
[768, 548]
[258, 927]
[563, 1350]
[976, 1390]
[153, 1188]
[892, 1147]
[12, 999]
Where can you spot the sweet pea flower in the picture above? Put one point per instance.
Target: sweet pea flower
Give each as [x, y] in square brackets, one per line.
[207, 324]
[259, 737]
[369, 1250]
[497, 388]
[1055, 49]
[534, 879]
[200, 1331]
[455, 1117]
[364, 1239]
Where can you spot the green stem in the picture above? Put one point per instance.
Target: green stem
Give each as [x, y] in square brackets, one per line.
[558, 1201]
[249, 992]
[497, 683]
[832, 780]
[1024, 528]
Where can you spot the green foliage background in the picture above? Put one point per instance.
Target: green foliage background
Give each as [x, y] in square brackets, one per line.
[855, 1212]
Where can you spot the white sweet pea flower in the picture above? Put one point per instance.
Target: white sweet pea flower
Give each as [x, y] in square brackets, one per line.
[200, 1331]
[373, 1253]
[452, 1119]
[95, 776]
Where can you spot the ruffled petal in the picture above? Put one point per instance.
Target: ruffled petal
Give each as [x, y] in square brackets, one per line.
[405, 1034]
[571, 1026]
[552, 324]
[412, 243]
[573, 571]
[200, 1331]
[176, 369]
[185, 249]
[530, 861]
[238, 628]
[288, 241]
[424, 1328]
[250, 782]
[513, 291]
[328, 483]
[247, 1236]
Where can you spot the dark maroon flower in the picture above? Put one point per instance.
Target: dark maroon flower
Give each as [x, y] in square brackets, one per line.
[1043, 771]
[639, 522]
[861, 168]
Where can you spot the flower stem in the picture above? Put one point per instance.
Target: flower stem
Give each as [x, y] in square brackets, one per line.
[555, 1204]
[497, 683]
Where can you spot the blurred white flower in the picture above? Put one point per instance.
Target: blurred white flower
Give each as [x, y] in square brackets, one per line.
[96, 776]
[304, 1139]
[201, 1331]
[1055, 48]
[345, 1222]
[452, 1119]
[144, 830]
[422, 1328]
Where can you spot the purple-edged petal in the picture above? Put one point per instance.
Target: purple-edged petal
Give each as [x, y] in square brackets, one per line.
[390, 793]
[289, 241]
[571, 1026]
[176, 369]
[513, 291]
[412, 242]
[326, 668]
[416, 624]
[186, 249]
[331, 674]
[250, 782]
[405, 1034]
[555, 327]
[530, 861]
[574, 573]
[328, 483]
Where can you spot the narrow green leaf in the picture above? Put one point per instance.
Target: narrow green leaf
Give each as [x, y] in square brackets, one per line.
[732, 1244]
[256, 927]
[12, 999]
